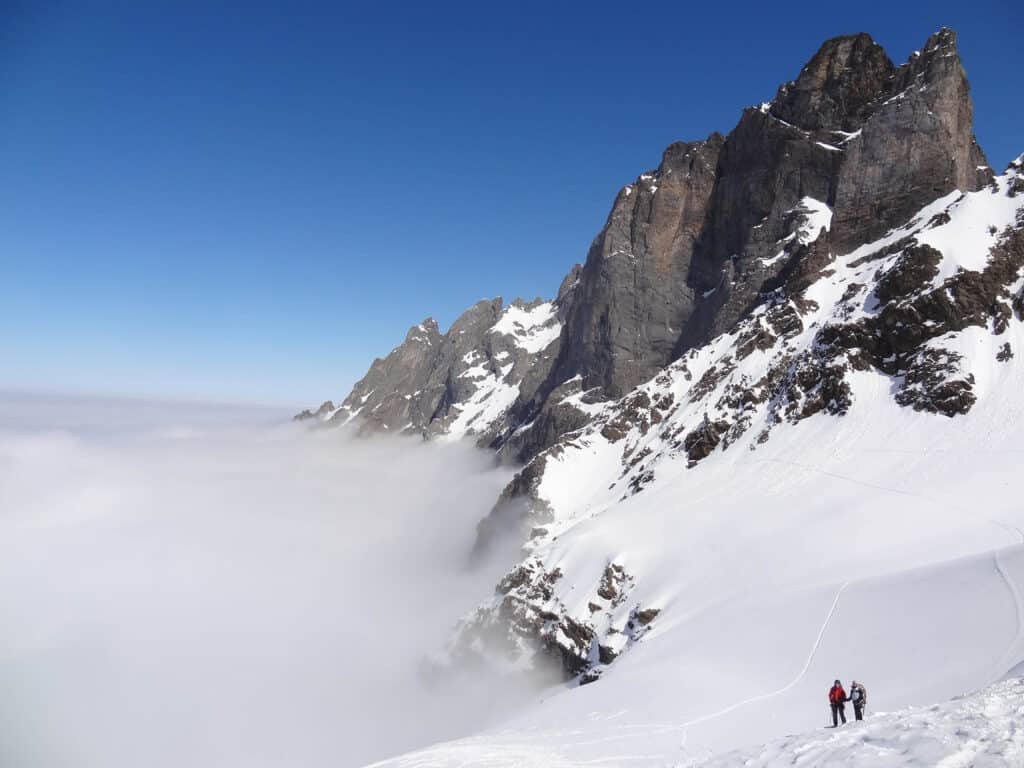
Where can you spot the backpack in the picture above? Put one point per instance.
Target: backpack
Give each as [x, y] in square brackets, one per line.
[863, 694]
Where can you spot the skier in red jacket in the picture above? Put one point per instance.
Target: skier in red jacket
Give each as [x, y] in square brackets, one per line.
[837, 698]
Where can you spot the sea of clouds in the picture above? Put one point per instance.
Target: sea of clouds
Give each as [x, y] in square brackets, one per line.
[186, 585]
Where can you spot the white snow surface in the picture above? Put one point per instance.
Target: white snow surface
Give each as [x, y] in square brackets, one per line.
[976, 221]
[533, 329]
[493, 396]
[885, 546]
[817, 216]
[979, 730]
[814, 216]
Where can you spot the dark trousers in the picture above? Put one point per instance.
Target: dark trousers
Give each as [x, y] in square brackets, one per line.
[858, 711]
[838, 710]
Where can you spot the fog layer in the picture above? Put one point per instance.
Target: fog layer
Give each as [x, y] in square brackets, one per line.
[182, 590]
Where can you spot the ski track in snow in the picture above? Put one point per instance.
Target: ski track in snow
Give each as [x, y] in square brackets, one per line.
[778, 692]
[1001, 663]
[1005, 663]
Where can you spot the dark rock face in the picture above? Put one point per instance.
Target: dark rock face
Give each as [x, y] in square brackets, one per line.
[633, 297]
[917, 145]
[556, 417]
[381, 394]
[703, 440]
[916, 265]
[872, 142]
[837, 88]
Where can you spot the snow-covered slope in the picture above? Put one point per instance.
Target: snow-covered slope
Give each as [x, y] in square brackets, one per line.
[808, 496]
[775, 575]
[983, 729]
[980, 730]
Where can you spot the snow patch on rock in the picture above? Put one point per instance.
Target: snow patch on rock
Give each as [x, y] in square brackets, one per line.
[533, 329]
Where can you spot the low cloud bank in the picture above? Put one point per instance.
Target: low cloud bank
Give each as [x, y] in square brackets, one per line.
[179, 588]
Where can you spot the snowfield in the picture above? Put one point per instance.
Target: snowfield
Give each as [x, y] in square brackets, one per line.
[533, 329]
[982, 730]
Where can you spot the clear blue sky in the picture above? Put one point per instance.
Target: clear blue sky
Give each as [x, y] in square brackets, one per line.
[250, 201]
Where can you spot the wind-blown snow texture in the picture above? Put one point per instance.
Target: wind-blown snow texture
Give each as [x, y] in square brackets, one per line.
[769, 432]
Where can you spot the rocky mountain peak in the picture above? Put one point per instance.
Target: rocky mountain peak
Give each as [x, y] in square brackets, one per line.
[917, 145]
[426, 332]
[944, 40]
[848, 150]
[837, 86]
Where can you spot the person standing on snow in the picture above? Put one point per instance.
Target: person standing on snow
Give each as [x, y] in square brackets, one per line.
[837, 697]
[859, 697]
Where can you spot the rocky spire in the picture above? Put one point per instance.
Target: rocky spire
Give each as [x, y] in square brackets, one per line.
[917, 145]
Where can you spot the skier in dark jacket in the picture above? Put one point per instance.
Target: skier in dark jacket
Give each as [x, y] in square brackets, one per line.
[859, 697]
[836, 697]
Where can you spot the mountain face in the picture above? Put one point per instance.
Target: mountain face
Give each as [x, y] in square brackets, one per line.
[919, 318]
[854, 145]
[846, 238]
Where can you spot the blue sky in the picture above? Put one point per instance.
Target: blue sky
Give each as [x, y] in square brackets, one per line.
[250, 202]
